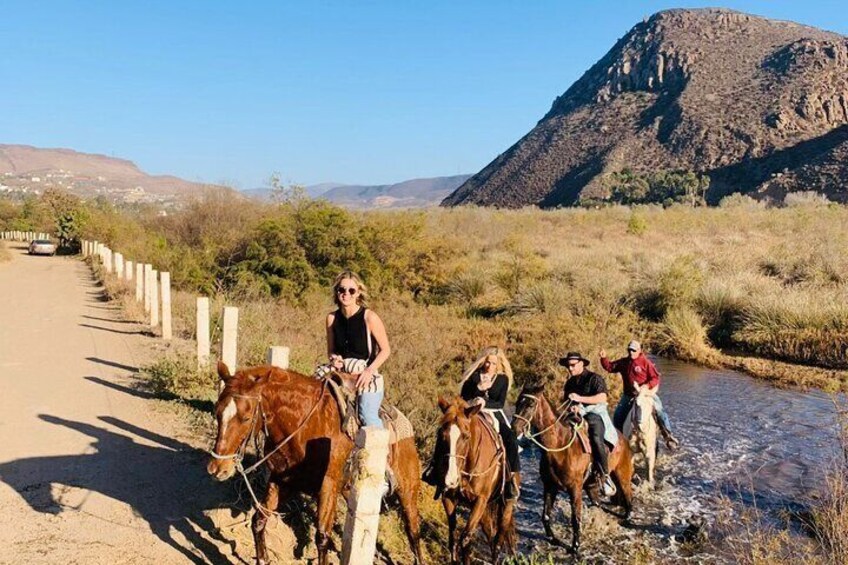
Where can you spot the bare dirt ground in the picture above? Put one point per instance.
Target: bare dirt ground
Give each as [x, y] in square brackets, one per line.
[89, 469]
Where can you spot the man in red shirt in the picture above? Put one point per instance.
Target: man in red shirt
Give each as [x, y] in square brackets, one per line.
[637, 373]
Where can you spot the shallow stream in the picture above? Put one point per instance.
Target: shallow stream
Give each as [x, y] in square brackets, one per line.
[740, 437]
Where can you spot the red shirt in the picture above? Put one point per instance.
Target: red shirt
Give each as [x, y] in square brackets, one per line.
[640, 371]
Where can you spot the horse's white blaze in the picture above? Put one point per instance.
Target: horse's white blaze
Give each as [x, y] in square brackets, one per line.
[452, 478]
[228, 414]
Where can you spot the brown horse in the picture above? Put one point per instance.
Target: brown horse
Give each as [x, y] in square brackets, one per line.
[305, 449]
[566, 462]
[473, 477]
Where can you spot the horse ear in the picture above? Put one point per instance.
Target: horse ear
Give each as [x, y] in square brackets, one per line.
[256, 377]
[224, 371]
[444, 403]
[473, 410]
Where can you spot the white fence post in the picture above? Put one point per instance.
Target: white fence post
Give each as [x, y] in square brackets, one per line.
[119, 266]
[147, 269]
[128, 271]
[107, 259]
[359, 542]
[230, 338]
[165, 280]
[203, 332]
[154, 298]
[139, 282]
[278, 356]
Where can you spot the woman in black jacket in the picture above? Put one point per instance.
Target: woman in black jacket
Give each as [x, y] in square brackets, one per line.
[487, 382]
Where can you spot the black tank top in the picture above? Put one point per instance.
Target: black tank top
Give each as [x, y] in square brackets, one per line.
[350, 336]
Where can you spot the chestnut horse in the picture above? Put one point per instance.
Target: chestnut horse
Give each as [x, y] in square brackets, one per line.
[305, 448]
[472, 477]
[565, 463]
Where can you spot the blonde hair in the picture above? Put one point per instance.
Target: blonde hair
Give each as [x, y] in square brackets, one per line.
[362, 297]
[503, 365]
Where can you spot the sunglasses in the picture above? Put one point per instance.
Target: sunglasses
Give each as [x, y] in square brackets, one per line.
[349, 290]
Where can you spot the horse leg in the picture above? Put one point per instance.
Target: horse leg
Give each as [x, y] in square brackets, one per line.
[487, 523]
[576, 494]
[408, 496]
[260, 520]
[450, 510]
[651, 457]
[547, 513]
[470, 527]
[623, 477]
[506, 527]
[327, 498]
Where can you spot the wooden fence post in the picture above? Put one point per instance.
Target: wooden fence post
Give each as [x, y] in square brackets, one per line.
[230, 338]
[165, 280]
[202, 332]
[139, 282]
[154, 298]
[278, 356]
[359, 542]
[147, 269]
[119, 266]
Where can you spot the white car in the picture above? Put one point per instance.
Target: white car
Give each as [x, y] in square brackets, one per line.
[42, 247]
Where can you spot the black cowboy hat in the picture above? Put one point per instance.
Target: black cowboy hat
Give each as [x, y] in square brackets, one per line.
[572, 355]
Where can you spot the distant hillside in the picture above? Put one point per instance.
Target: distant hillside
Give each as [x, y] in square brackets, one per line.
[416, 193]
[760, 106]
[30, 169]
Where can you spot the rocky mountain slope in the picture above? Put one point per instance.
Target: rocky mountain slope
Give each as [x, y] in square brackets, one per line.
[760, 106]
[25, 169]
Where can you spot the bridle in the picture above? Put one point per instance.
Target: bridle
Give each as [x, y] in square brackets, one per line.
[238, 454]
[562, 409]
[464, 458]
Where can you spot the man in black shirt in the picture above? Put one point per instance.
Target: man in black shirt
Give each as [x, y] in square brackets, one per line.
[586, 389]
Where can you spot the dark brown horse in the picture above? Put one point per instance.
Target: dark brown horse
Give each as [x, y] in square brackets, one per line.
[471, 468]
[565, 462]
[305, 448]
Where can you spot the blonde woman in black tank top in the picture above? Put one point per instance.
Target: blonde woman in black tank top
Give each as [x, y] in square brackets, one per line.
[355, 332]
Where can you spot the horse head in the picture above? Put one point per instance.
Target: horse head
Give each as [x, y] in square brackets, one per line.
[455, 434]
[239, 414]
[526, 408]
[643, 413]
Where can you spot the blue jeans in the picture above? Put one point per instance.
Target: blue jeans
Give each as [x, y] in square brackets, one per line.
[369, 408]
[623, 408]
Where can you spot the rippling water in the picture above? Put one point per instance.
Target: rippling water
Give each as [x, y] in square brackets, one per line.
[739, 436]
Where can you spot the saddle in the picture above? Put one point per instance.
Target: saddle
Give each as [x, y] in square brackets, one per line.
[492, 426]
[343, 388]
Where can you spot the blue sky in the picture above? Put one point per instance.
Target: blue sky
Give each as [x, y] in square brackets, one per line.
[358, 92]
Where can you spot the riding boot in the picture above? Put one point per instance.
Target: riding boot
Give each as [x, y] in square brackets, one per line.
[391, 482]
[670, 441]
[429, 475]
[512, 490]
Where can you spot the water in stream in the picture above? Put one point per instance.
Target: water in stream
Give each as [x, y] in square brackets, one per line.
[740, 436]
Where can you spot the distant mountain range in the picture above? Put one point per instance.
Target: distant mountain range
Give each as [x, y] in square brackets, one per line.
[759, 106]
[415, 193]
[31, 170]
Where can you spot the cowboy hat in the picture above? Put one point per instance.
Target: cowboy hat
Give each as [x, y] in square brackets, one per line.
[572, 355]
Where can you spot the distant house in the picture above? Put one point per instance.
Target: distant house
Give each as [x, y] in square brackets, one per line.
[35, 179]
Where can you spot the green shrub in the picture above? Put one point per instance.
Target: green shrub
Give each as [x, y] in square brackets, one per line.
[637, 224]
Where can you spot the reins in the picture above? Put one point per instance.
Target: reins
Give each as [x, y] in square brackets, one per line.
[563, 410]
[238, 455]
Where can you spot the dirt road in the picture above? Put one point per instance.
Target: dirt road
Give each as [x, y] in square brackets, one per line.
[89, 472]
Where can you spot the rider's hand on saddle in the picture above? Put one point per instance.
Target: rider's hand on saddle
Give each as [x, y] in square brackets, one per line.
[574, 397]
[336, 361]
[364, 378]
[602, 353]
